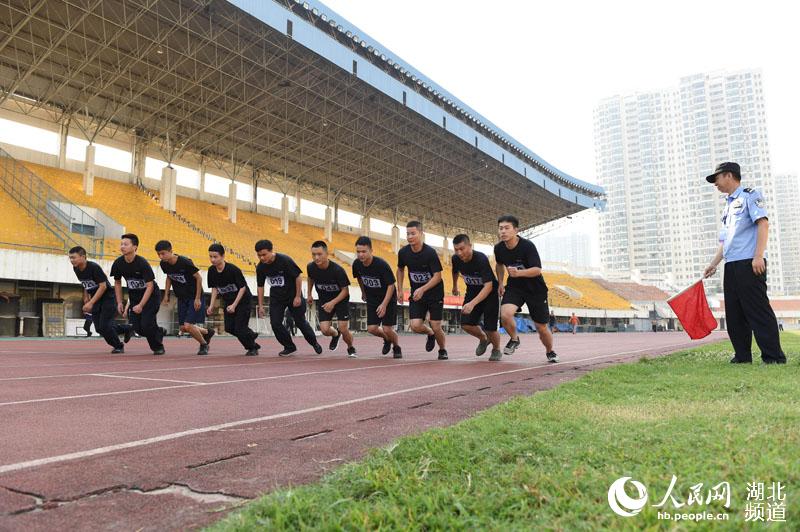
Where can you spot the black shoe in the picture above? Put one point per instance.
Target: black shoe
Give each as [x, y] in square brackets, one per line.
[251, 352]
[208, 336]
[163, 331]
[735, 360]
[511, 346]
[351, 352]
[88, 333]
[430, 343]
[552, 357]
[318, 349]
[334, 342]
[387, 346]
[397, 352]
[774, 361]
[442, 354]
[117, 350]
[287, 351]
[127, 334]
[203, 350]
[159, 351]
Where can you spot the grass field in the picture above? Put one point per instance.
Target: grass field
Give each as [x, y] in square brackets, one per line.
[547, 461]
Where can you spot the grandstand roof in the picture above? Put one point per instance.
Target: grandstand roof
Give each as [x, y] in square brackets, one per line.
[634, 291]
[292, 92]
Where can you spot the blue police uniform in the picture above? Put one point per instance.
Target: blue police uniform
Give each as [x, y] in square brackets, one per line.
[747, 307]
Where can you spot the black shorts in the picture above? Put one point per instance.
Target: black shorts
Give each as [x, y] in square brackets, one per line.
[341, 311]
[187, 313]
[389, 319]
[537, 304]
[488, 310]
[417, 310]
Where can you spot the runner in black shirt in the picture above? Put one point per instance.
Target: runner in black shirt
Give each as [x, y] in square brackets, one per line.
[144, 294]
[98, 298]
[377, 284]
[525, 285]
[427, 288]
[481, 299]
[285, 292]
[333, 292]
[185, 279]
[227, 281]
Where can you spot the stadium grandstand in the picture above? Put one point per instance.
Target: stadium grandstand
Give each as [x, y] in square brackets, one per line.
[204, 121]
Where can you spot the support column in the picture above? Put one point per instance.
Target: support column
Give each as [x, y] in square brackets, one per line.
[285, 214]
[232, 201]
[202, 171]
[63, 134]
[254, 206]
[329, 224]
[297, 206]
[365, 225]
[88, 171]
[168, 185]
[132, 173]
[336, 215]
[139, 156]
[395, 238]
[447, 252]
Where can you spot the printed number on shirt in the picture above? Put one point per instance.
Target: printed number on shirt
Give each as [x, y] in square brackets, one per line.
[419, 277]
[371, 282]
[471, 280]
[88, 284]
[277, 281]
[136, 284]
[227, 289]
[177, 277]
[328, 288]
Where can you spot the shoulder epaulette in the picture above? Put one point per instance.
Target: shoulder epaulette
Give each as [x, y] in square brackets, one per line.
[749, 190]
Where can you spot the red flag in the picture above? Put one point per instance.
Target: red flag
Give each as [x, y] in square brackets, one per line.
[691, 307]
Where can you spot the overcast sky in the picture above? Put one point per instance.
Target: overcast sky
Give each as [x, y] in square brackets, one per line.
[537, 69]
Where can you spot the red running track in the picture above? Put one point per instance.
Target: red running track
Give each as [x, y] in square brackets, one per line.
[134, 441]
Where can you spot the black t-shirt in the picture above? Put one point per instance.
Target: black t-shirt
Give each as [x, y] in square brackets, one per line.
[92, 277]
[136, 273]
[476, 273]
[523, 256]
[328, 282]
[282, 275]
[421, 267]
[228, 282]
[182, 276]
[375, 279]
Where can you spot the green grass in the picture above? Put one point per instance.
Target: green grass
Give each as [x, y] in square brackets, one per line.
[546, 461]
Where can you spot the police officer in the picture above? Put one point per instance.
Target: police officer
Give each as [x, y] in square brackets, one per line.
[743, 241]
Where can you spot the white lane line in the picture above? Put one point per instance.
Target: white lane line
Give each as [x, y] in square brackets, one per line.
[141, 378]
[202, 430]
[274, 362]
[201, 384]
[275, 377]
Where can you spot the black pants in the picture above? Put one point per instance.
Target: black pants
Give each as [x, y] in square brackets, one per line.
[277, 309]
[145, 324]
[238, 324]
[103, 313]
[748, 312]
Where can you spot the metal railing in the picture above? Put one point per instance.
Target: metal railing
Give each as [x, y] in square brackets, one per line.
[70, 224]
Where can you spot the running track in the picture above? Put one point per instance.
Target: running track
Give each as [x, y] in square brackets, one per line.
[136, 442]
